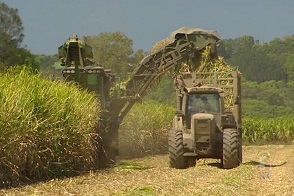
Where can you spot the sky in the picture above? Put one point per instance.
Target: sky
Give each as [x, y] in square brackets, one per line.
[48, 23]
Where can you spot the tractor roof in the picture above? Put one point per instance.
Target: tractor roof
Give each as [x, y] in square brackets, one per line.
[204, 89]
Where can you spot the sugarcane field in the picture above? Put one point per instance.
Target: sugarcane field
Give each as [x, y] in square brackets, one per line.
[196, 112]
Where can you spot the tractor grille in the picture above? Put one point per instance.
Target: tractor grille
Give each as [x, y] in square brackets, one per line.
[202, 126]
[202, 136]
[74, 54]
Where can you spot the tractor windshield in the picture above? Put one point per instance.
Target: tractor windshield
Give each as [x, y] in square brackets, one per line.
[209, 103]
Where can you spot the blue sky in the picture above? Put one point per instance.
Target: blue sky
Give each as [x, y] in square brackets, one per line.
[48, 23]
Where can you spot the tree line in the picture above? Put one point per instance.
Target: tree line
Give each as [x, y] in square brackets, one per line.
[261, 62]
[11, 37]
[267, 68]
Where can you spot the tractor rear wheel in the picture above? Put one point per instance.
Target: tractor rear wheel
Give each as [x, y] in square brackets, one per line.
[231, 148]
[176, 150]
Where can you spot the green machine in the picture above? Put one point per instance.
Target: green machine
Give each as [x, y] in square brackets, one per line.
[208, 122]
[76, 57]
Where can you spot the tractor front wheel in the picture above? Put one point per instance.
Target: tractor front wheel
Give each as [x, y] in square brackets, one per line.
[231, 147]
[176, 150]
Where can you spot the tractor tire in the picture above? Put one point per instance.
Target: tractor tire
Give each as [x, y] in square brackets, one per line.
[231, 148]
[176, 150]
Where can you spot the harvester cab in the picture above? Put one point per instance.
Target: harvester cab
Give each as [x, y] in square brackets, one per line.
[75, 51]
[76, 57]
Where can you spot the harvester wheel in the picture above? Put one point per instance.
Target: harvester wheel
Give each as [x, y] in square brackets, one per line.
[176, 150]
[230, 149]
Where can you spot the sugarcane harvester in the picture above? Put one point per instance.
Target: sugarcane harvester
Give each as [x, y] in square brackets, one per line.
[76, 56]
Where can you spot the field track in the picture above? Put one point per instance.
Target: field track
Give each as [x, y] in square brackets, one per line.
[266, 170]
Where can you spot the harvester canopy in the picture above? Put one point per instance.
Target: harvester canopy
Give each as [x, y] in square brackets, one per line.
[188, 31]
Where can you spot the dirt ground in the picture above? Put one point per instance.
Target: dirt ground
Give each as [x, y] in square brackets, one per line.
[266, 170]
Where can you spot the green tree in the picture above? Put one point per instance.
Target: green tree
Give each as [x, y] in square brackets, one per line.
[238, 52]
[11, 24]
[26, 58]
[11, 37]
[257, 62]
[163, 92]
[225, 48]
[267, 99]
[137, 57]
[280, 46]
[264, 67]
[46, 62]
[11, 33]
[114, 51]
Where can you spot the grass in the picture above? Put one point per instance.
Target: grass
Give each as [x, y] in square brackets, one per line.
[144, 130]
[132, 166]
[45, 128]
[206, 178]
[144, 191]
[258, 130]
[237, 178]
